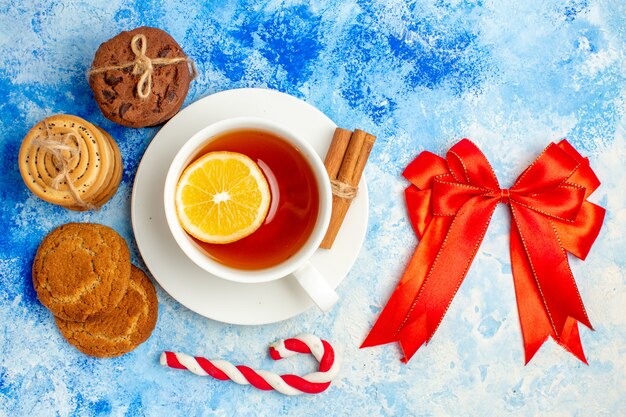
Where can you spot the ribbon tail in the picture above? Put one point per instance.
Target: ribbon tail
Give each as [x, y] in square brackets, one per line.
[413, 336]
[533, 317]
[384, 330]
[570, 340]
[417, 321]
[451, 264]
[550, 268]
[539, 258]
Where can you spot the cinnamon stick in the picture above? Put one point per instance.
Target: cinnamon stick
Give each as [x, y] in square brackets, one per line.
[348, 175]
[336, 151]
[346, 172]
[366, 149]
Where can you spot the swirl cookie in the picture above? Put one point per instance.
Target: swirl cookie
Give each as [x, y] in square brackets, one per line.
[140, 78]
[81, 271]
[117, 169]
[125, 327]
[68, 161]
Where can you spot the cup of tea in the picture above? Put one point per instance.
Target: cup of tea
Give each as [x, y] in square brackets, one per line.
[297, 217]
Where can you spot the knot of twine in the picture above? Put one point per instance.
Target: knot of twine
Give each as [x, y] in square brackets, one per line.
[144, 65]
[56, 145]
[343, 190]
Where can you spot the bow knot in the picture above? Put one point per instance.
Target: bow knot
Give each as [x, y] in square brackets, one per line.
[450, 204]
[142, 65]
[505, 195]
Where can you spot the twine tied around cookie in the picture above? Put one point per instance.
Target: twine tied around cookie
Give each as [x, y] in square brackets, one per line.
[343, 190]
[56, 145]
[144, 65]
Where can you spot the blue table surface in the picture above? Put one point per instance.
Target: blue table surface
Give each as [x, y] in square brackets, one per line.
[511, 75]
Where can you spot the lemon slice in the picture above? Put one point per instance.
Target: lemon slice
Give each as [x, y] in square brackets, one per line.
[222, 197]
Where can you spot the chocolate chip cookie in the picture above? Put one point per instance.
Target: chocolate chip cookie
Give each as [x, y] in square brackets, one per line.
[141, 77]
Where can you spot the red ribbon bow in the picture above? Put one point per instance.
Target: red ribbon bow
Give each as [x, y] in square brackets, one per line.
[450, 204]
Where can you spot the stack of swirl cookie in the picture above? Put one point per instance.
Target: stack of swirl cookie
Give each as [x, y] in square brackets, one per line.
[68, 161]
[102, 304]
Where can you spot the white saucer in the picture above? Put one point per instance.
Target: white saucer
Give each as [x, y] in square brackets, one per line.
[213, 297]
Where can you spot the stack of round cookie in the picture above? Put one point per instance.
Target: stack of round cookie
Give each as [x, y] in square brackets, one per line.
[68, 161]
[102, 304]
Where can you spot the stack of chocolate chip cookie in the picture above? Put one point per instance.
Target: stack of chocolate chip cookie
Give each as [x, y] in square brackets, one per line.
[68, 161]
[102, 304]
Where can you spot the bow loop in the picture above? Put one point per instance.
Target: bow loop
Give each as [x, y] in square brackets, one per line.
[584, 175]
[449, 196]
[423, 170]
[562, 202]
[143, 65]
[552, 168]
[468, 165]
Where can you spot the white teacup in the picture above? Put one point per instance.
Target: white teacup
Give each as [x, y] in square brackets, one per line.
[297, 265]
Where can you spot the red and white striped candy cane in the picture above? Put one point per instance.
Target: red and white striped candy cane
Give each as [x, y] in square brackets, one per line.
[313, 383]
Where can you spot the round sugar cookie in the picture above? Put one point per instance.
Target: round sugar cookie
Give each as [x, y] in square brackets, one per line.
[81, 270]
[124, 328]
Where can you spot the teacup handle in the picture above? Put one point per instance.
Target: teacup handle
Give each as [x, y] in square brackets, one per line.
[316, 286]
